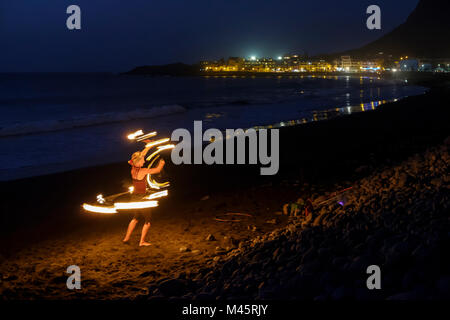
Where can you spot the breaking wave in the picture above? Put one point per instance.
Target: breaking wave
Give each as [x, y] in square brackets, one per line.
[87, 120]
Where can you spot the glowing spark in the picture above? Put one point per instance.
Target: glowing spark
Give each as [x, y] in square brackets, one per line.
[97, 209]
[100, 199]
[135, 205]
[133, 135]
[131, 189]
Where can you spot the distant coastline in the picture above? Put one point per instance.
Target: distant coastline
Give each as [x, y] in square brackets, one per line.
[427, 79]
[182, 69]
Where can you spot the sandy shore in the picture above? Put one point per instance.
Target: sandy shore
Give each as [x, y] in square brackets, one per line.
[46, 231]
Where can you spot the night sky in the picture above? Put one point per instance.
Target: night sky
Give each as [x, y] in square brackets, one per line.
[117, 35]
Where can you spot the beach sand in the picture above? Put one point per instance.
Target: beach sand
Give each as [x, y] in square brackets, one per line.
[45, 230]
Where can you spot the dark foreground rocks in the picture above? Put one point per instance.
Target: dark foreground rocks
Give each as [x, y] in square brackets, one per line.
[397, 218]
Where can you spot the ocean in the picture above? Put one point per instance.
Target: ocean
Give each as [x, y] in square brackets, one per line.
[53, 122]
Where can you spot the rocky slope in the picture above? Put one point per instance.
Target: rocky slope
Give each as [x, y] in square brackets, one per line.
[421, 35]
[397, 218]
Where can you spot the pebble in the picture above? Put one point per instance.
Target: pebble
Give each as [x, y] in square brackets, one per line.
[184, 249]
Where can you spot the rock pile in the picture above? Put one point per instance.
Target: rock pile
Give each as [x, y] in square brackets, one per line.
[397, 218]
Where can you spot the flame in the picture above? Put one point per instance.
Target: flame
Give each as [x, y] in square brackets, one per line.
[98, 209]
[100, 199]
[133, 135]
[160, 148]
[159, 194]
[145, 136]
[120, 206]
[138, 136]
[135, 205]
[152, 183]
[167, 146]
[156, 185]
[154, 143]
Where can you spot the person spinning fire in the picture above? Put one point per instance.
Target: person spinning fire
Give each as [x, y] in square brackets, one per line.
[138, 174]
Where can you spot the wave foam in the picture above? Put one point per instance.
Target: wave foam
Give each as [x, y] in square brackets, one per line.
[88, 120]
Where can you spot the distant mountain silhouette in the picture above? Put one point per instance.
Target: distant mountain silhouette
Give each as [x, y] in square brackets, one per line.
[426, 33]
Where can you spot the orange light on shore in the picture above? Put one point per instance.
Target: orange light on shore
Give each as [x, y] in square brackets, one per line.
[135, 205]
[97, 209]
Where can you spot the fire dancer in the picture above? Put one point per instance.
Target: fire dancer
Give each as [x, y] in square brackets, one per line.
[138, 174]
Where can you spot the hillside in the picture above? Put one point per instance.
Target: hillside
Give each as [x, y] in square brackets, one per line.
[425, 33]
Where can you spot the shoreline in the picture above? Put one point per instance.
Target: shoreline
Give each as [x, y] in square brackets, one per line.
[314, 115]
[318, 140]
[46, 228]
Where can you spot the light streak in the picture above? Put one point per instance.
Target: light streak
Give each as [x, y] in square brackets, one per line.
[167, 146]
[135, 205]
[159, 194]
[148, 201]
[98, 209]
[121, 206]
[160, 148]
[133, 135]
[151, 182]
[146, 136]
[154, 143]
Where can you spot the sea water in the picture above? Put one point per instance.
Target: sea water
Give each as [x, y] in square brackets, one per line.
[57, 122]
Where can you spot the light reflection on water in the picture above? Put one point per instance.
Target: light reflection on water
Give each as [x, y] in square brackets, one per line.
[329, 114]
